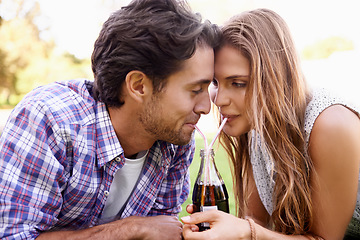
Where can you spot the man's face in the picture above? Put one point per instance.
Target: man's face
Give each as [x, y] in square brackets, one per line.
[172, 114]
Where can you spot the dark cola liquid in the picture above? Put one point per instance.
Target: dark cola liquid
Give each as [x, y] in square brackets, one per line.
[212, 197]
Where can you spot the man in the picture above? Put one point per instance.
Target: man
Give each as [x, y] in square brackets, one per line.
[108, 159]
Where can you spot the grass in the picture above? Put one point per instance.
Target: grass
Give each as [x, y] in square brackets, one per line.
[222, 164]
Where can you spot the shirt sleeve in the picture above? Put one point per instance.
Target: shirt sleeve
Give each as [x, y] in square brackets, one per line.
[176, 186]
[30, 173]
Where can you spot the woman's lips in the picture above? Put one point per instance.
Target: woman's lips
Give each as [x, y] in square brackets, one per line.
[229, 117]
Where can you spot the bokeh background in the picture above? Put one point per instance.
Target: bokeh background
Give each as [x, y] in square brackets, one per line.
[42, 41]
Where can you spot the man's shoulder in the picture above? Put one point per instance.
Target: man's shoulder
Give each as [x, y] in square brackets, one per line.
[65, 101]
[78, 88]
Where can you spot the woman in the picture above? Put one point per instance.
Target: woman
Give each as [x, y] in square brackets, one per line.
[295, 152]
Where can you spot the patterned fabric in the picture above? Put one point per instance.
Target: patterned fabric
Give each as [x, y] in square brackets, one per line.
[262, 171]
[262, 164]
[58, 155]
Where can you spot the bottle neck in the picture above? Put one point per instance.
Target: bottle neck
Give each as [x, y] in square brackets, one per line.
[208, 174]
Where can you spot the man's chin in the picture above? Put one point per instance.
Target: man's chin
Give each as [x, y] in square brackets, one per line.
[182, 140]
[179, 138]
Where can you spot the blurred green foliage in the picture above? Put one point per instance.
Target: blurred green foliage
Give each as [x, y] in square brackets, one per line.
[27, 61]
[326, 47]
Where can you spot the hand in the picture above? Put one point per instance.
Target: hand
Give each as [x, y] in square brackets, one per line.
[159, 227]
[134, 227]
[222, 226]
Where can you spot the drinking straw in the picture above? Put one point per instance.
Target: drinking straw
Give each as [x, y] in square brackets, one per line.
[207, 161]
[217, 134]
[207, 151]
[205, 140]
[206, 165]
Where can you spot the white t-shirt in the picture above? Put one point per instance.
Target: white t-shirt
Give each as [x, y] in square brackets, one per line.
[122, 186]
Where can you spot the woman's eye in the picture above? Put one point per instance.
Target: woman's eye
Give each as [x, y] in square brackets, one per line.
[239, 84]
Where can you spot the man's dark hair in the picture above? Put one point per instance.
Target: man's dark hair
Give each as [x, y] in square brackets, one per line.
[151, 36]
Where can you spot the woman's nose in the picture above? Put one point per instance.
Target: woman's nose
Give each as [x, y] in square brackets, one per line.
[218, 96]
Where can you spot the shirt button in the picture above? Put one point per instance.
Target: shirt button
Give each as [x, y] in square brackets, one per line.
[106, 193]
[118, 159]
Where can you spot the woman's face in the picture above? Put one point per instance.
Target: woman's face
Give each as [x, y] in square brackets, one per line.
[232, 75]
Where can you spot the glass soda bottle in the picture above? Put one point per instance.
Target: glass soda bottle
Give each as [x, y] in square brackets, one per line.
[209, 188]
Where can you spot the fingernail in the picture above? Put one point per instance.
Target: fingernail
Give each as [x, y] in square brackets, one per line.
[185, 219]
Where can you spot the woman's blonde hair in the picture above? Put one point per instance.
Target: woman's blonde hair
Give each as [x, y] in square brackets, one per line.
[276, 99]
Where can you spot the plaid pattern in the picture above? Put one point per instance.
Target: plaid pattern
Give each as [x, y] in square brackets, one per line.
[57, 163]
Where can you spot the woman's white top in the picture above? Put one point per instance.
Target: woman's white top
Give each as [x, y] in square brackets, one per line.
[263, 167]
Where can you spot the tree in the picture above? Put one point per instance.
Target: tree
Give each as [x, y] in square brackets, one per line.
[26, 60]
[19, 40]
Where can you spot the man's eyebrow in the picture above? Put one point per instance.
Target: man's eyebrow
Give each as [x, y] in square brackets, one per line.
[201, 81]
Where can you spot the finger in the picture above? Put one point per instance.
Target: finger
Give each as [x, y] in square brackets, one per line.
[192, 227]
[190, 232]
[190, 208]
[186, 231]
[198, 217]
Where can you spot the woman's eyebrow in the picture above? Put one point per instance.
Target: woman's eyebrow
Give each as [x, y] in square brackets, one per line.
[236, 76]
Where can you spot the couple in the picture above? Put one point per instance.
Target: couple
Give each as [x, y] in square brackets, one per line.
[109, 158]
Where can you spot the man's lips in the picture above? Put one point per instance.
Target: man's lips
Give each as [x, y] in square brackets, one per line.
[192, 123]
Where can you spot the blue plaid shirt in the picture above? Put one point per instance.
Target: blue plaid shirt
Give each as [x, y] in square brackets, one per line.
[58, 157]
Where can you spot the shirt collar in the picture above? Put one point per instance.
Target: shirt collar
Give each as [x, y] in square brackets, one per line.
[108, 145]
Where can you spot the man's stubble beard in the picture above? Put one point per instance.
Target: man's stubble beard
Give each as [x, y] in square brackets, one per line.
[154, 122]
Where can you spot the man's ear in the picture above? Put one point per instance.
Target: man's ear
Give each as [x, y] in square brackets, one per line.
[138, 85]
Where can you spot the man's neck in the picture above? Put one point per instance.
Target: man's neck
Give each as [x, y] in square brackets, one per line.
[132, 137]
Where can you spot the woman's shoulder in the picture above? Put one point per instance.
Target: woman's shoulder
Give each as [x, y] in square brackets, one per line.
[335, 133]
[324, 100]
[334, 149]
[337, 120]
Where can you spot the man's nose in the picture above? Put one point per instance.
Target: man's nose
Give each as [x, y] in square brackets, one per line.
[204, 105]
